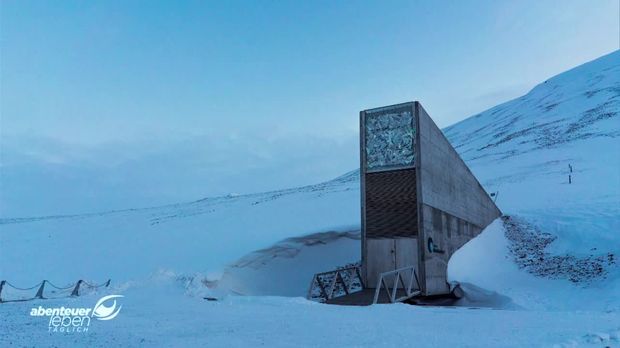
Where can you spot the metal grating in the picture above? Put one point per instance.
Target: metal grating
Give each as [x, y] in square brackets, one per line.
[391, 204]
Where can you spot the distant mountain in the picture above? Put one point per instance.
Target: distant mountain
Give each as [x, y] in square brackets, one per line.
[582, 103]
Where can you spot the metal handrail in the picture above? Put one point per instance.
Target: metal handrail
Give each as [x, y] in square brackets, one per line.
[327, 292]
[397, 273]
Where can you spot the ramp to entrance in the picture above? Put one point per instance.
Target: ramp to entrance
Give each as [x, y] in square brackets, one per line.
[338, 287]
[366, 297]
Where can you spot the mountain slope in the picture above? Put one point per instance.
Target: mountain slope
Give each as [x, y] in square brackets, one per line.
[582, 103]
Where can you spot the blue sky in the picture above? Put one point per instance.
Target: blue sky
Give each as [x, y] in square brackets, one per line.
[108, 105]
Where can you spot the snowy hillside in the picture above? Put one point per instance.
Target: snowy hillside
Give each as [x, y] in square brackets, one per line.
[202, 236]
[255, 244]
[524, 147]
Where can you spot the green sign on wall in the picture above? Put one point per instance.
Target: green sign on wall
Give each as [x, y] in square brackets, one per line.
[389, 140]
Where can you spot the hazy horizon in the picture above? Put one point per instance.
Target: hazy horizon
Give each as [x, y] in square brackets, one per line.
[113, 105]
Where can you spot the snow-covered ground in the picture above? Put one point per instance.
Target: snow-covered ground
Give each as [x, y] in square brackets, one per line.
[159, 313]
[162, 258]
[202, 236]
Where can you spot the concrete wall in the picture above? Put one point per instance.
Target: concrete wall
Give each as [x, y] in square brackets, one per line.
[452, 205]
[402, 208]
[389, 209]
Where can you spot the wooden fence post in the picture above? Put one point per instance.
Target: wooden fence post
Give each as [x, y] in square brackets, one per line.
[40, 292]
[76, 290]
[1, 286]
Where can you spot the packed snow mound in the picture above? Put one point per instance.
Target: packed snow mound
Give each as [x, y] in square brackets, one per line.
[488, 263]
[286, 268]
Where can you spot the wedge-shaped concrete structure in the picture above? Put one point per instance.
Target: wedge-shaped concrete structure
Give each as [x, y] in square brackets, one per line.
[420, 202]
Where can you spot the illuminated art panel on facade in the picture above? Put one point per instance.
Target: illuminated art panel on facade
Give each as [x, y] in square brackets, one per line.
[389, 140]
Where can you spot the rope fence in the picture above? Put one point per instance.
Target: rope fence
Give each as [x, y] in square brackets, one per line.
[46, 290]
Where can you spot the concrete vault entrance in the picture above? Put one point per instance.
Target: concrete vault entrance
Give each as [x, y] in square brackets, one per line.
[419, 204]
